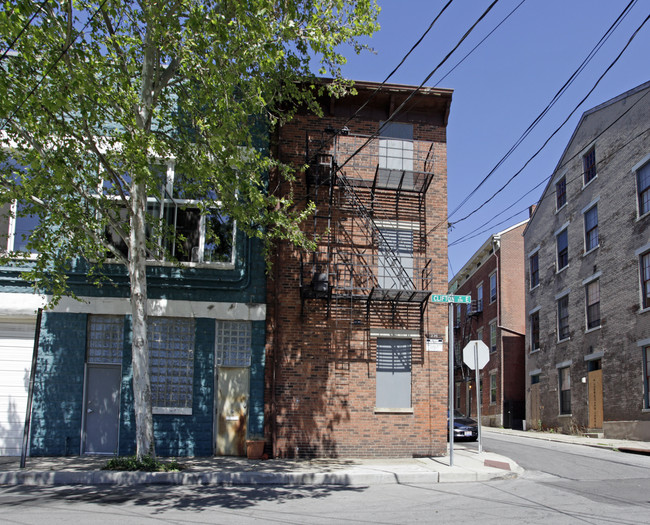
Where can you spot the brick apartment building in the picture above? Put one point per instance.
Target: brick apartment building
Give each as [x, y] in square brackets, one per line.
[494, 277]
[356, 360]
[588, 278]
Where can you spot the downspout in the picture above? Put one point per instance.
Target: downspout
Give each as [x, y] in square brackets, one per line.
[274, 353]
[496, 246]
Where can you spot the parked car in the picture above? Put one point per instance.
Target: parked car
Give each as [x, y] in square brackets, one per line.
[465, 428]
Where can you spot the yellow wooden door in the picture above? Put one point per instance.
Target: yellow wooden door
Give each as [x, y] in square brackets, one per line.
[535, 413]
[232, 410]
[596, 399]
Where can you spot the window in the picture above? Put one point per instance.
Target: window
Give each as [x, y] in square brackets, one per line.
[560, 193]
[646, 376]
[563, 318]
[395, 155]
[493, 336]
[171, 364]
[178, 227]
[479, 298]
[564, 377]
[562, 241]
[479, 334]
[534, 270]
[457, 394]
[643, 188]
[591, 229]
[233, 343]
[645, 280]
[589, 165]
[105, 339]
[493, 388]
[534, 331]
[592, 292]
[534, 379]
[493, 287]
[395, 245]
[393, 373]
[457, 318]
[19, 227]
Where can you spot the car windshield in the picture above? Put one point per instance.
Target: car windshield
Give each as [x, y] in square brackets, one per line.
[458, 413]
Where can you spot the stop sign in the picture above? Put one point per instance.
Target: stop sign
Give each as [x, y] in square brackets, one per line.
[482, 351]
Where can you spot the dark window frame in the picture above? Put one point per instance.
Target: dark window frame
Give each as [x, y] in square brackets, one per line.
[643, 188]
[560, 193]
[564, 389]
[563, 318]
[534, 270]
[591, 228]
[646, 376]
[534, 331]
[592, 298]
[562, 243]
[644, 263]
[589, 165]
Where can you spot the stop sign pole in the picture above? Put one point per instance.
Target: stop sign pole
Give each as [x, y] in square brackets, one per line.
[450, 300]
[476, 354]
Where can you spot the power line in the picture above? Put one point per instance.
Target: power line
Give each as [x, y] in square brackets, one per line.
[555, 98]
[24, 28]
[52, 66]
[559, 167]
[475, 210]
[546, 179]
[417, 89]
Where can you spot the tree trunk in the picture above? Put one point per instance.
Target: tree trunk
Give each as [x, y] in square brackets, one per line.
[140, 344]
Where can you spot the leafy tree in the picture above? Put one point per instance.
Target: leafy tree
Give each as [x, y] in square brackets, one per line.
[96, 96]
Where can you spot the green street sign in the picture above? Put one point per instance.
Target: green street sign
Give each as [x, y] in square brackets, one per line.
[451, 299]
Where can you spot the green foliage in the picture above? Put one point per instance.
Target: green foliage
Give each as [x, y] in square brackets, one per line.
[95, 92]
[146, 464]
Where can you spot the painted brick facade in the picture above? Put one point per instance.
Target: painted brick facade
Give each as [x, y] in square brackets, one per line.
[609, 354]
[321, 375]
[500, 261]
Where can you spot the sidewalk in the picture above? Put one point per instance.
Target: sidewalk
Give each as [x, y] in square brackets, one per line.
[468, 466]
[621, 445]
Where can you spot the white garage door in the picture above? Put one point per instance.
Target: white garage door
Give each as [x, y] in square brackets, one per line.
[16, 347]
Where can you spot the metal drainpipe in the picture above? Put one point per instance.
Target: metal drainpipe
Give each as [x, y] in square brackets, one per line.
[274, 352]
[496, 246]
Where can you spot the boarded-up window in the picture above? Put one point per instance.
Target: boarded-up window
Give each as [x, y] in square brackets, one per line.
[393, 373]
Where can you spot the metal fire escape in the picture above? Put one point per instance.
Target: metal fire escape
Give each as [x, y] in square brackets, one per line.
[363, 187]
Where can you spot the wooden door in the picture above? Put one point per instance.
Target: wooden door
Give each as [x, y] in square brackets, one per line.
[232, 410]
[535, 412]
[596, 399]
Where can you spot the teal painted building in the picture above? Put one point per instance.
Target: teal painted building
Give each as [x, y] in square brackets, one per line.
[207, 348]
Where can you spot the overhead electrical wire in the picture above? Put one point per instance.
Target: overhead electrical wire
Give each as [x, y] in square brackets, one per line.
[559, 167]
[558, 128]
[51, 68]
[546, 179]
[24, 28]
[555, 98]
[417, 89]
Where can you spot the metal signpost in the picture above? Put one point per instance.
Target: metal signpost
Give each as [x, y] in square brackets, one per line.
[451, 300]
[476, 354]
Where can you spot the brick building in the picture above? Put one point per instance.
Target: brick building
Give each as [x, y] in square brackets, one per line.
[494, 277]
[588, 278]
[356, 361]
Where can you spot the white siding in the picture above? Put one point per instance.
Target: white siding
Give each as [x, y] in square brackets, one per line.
[16, 346]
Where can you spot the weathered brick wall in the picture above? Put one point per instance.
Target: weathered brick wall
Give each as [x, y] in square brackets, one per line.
[618, 132]
[323, 365]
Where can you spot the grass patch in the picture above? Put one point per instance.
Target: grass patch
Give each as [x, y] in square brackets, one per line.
[146, 464]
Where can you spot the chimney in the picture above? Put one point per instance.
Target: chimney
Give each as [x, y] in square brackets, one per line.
[531, 210]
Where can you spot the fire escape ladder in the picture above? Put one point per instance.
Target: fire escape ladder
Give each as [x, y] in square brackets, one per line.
[393, 263]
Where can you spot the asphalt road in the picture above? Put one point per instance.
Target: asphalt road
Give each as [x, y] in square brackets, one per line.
[563, 484]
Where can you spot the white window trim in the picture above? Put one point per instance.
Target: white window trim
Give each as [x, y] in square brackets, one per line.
[395, 334]
[564, 227]
[11, 232]
[530, 256]
[557, 315]
[534, 310]
[398, 225]
[535, 372]
[591, 278]
[496, 287]
[561, 294]
[534, 251]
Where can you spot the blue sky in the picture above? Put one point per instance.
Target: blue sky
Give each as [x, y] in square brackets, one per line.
[501, 88]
